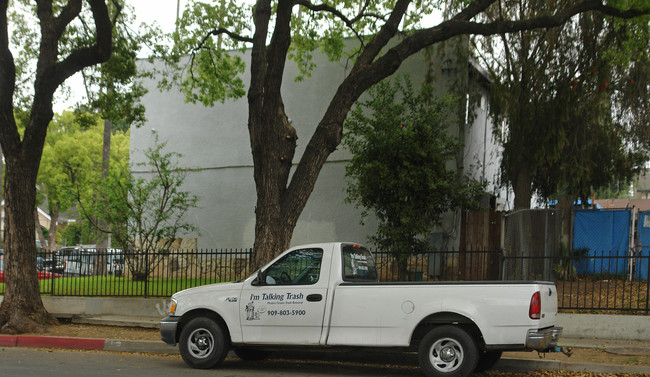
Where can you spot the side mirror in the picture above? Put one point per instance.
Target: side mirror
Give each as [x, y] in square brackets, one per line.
[259, 279]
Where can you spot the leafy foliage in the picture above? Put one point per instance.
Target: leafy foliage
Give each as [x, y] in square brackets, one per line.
[570, 127]
[213, 74]
[146, 213]
[206, 72]
[70, 172]
[114, 88]
[399, 171]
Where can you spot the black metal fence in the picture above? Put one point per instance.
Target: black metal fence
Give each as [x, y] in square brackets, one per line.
[599, 283]
[594, 283]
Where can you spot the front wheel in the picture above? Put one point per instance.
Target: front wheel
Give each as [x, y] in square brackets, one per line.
[448, 351]
[203, 343]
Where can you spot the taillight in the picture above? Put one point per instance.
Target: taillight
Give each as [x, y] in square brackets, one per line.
[535, 310]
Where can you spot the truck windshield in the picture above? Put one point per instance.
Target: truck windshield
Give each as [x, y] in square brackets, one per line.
[358, 264]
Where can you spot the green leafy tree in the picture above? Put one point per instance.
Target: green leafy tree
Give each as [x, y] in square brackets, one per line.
[296, 29]
[568, 129]
[46, 56]
[114, 88]
[399, 171]
[74, 233]
[605, 131]
[145, 214]
[53, 184]
[71, 167]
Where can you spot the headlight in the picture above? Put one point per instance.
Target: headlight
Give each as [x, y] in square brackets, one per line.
[172, 307]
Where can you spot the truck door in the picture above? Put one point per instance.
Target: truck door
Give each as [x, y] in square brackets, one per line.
[288, 305]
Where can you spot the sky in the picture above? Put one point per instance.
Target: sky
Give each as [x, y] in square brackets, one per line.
[163, 12]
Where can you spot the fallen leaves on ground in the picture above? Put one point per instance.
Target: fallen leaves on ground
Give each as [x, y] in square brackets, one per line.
[563, 373]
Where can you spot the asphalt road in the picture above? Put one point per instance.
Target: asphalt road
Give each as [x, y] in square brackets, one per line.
[28, 362]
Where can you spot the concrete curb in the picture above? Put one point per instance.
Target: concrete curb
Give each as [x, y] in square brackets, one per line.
[63, 342]
[51, 342]
[529, 365]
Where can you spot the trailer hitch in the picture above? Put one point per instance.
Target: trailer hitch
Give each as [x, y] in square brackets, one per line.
[565, 350]
[568, 351]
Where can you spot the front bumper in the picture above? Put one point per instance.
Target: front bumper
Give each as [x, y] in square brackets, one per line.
[543, 339]
[168, 328]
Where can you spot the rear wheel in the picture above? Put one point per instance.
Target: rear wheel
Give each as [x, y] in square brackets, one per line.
[448, 351]
[203, 343]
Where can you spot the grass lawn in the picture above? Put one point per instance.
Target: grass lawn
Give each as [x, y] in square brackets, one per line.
[115, 286]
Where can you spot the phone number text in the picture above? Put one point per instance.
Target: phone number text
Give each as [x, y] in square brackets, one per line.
[286, 312]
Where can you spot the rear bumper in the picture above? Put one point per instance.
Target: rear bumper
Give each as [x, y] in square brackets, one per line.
[168, 328]
[543, 339]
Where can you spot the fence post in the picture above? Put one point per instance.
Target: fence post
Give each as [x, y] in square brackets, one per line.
[146, 269]
[632, 246]
[500, 259]
[52, 258]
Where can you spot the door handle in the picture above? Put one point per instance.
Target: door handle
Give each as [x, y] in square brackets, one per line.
[314, 297]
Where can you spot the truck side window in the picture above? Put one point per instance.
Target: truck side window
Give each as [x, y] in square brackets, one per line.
[358, 264]
[300, 267]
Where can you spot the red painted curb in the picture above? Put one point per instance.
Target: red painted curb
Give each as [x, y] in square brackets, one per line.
[59, 342]
[8, 340]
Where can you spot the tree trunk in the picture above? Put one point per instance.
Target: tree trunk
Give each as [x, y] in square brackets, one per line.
[102, 242]
[274, 223]
[51, 237]
[523, 189]
[22, 309]
[565, 205]
[402, 268]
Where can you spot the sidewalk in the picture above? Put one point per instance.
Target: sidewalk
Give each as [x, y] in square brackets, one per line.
[505, 364]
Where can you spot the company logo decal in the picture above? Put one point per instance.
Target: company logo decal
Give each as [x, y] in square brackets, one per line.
[288, 304]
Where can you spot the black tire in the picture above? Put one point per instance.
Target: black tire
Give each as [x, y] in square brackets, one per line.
[251, 354]
[448, 351]
[486, 360]
[203, 343]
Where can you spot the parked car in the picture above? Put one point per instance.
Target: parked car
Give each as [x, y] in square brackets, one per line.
[41, 274]
[76, 261]
[47, 275]
[54, 264]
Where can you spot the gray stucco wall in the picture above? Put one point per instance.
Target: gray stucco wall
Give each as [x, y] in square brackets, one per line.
[216, 141]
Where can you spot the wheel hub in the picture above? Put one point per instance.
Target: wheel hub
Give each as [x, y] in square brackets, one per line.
[202, 343]
[447, 354]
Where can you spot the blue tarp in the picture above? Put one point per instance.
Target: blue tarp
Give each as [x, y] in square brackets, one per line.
[605, 234]
[643, 233]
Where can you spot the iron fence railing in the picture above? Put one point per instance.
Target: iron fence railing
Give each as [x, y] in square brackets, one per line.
[600, 282]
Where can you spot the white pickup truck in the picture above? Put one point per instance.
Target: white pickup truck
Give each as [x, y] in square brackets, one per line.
[328, 295]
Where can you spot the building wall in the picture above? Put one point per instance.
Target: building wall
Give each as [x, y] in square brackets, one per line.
[215, 140]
